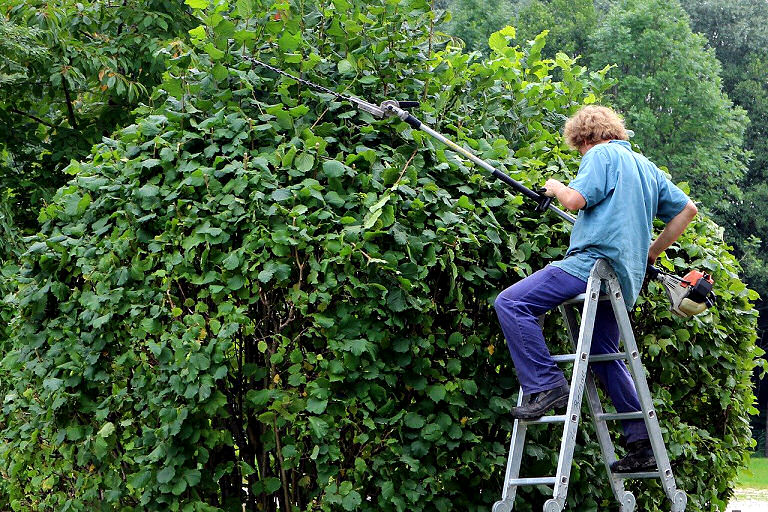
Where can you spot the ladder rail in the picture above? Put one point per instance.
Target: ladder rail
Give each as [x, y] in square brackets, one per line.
[637, 371]
[515, 455]
[578, 379]
[626, 499]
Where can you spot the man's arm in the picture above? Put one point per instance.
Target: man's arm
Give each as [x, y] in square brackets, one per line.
[570, 199]
[672, 231]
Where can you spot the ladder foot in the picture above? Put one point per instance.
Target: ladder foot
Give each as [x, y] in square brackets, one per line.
[552, 506]
[679, 501]
[502, 506]
[628, 502]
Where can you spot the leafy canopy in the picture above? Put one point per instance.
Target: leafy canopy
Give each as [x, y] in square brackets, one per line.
[72, 72]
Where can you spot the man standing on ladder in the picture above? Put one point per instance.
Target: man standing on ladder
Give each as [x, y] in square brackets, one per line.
[618, 192]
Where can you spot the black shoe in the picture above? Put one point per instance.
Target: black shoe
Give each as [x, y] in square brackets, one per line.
[541, 402]
[639, 457]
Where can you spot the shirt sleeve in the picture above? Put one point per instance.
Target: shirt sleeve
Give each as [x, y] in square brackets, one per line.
[596, 177]
[672, 200]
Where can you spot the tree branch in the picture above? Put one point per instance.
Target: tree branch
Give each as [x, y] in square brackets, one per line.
[70, 110]
[34, 117]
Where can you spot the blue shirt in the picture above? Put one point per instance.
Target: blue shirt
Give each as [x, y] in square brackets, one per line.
[624, 192]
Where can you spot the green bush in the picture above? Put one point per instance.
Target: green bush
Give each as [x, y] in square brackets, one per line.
[257, 295]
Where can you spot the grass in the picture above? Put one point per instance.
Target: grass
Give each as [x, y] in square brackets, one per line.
[756, 476]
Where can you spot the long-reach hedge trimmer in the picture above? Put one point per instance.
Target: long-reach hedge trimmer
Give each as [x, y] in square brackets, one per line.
[688, 296]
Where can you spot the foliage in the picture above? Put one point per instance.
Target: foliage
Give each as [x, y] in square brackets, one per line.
[670, 93]
[697, 371]
[569, 22]
[72, 73]
[16, 45]
[735, 28]
[738, 32]
[256, 287]
[473, 21]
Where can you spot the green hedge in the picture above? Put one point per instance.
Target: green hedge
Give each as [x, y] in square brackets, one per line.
[257, 295]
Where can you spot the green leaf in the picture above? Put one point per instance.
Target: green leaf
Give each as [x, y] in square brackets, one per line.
[333, 168]
[351, 501]
[282, 194]
[244, 8]
[414, 420]
[316, 406]
[304, 162]
[232, 261]
[271, 484]
[197, 4]
[214, 52]
[436, 392]
[289, 42]
[497, 42]
[192, 476]
[199, 31]
[107, 429]
[148, 191]
[166, 474]
[318, 426]
[345, 67]
[139, 480]
[220, 72]
[259, 397]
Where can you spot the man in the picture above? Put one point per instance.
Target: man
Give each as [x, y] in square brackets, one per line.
[618, 193]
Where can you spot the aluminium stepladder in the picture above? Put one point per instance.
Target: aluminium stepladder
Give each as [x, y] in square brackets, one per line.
[601, 275]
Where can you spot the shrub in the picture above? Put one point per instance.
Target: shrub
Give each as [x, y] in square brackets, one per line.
[257, 295]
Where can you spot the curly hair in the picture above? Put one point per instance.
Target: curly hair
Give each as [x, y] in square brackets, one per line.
[592, 124]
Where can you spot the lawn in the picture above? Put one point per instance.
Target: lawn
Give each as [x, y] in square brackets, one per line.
[756, 476]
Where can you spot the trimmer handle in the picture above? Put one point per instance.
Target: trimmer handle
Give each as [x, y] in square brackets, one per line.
[408, 104]
[652, 272]
[543, 201]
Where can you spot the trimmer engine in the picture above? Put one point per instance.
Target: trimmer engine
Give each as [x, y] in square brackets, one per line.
[688, 296]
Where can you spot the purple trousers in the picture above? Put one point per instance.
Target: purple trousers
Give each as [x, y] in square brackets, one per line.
[518, 308]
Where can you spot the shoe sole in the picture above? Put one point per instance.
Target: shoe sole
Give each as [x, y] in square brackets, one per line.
[635, 470]
[557, 404]
[640, 469]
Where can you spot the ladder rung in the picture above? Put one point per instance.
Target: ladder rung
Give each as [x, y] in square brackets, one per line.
[546, 419]
[579, 299]
[638, 415]
[648, 474]
[544, 480]
[596, 358]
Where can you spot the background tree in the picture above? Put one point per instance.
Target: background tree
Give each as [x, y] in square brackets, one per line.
[738, 31]
[473, 21]
[73, 72]
[670, 93]
[569, 22]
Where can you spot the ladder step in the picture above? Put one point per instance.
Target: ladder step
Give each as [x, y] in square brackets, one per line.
[544, 480]
[648, 474]
[579, 299]
[546, 419]
[596, 358]
[638, 415]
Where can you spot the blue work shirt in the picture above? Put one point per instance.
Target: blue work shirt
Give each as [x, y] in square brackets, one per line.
[624, 192]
